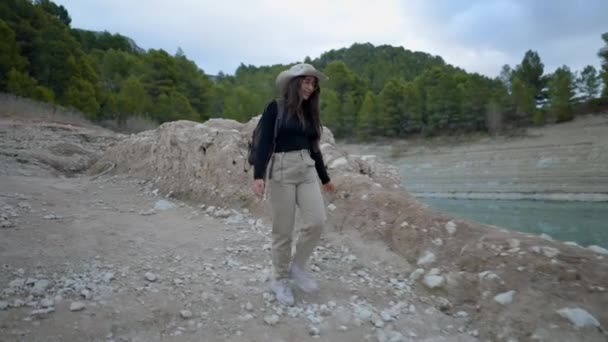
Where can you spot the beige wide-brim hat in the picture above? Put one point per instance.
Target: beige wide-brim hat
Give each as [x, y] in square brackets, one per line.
[302, 69]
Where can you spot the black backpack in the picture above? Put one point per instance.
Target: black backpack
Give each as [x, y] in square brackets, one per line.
[256, 136]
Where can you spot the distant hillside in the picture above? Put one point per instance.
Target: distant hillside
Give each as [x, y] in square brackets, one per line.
[90, 40]
[373, 91]
[380, 63]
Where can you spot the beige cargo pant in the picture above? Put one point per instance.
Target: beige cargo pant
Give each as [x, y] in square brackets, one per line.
[294, 183]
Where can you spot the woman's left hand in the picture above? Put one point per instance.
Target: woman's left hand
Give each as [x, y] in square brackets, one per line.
[329, 187]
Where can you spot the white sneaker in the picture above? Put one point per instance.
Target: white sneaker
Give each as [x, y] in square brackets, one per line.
[303, 279]
[282, 291]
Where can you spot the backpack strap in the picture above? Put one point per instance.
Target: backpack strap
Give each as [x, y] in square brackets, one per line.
[277, 124]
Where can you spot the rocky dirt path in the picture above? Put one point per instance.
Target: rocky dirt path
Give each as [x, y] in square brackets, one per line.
[111, 260]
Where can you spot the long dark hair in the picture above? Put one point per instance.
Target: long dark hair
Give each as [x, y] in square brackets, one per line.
[296, 105]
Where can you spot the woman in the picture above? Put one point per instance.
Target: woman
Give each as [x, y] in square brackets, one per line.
[292, 173]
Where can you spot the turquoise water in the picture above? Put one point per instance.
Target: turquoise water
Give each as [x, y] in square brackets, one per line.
[585, 223]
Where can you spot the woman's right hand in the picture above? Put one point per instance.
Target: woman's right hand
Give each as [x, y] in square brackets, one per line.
[258, 187]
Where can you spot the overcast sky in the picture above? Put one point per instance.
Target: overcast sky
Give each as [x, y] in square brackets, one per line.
[477, 35]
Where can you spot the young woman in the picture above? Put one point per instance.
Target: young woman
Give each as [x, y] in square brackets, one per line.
[292, 170]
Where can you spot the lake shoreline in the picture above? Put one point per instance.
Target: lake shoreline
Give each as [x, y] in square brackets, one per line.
[560, 162]
[516, 196]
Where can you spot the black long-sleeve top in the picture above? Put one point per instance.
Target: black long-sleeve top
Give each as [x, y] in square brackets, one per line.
[290, 137]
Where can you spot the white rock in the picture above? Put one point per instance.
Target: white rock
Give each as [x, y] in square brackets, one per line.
[164, 205]
[47, 302]
[86, 294]
[147, 212]
[349, 258]
[513, 243]
[271, 319]
[546, 237]
[268, 297]
[381, 335]
[363, 313]
[488, 275]
[579, 317]
[249, 306]
[437, 242]
[598, 249]
[450, 226]
[571, 243]
[462, 314]
[505, 297]
[414, 276]
[337, 162]
[387, 316]
[550, 252]
[324, 310]
[77, 306]
[5, 223]
[40, 287]
[186, 314]
[17, 283]
[50, 217]
[377, 321]
[246, 317]
[314, 330]
[42, 311]
[107, 277]
[222, 213]
[150, 276]
[3, 305]
[331, 207]
[394, 336]
[426, 258]
[433, 281]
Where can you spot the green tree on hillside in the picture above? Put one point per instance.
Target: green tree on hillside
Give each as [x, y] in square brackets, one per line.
[441, 99]
[525, 104]
[132, 99]
[103, 41]
[589, 82]
[349, 90]
[81, 95]
[173, 106]
[10, 54]
[330, 111]
[475, 91]
[506, 74]
[366, 118]
[530, 72]
[561, 92]
[240, 104]
[193, 83]
[391, 107]
[54, 10]
[411, 119]
[603, 54]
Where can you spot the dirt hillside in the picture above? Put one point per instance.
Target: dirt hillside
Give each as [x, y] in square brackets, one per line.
[161, 239]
